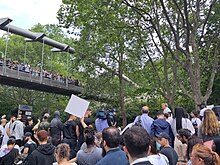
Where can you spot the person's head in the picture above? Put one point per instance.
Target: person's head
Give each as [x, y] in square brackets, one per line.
[192, 140]
[57, 114]
[29, 121]
[27, 136]
[62, 151]
[136, 140]
[160, 115]
[88, 112]
[145, 109]
[194, 114]
[154, 146]
[111, 137]
[166, 115]
[179, 113]
[216, 145]
[46, 116]
[163, 139]
[183, 135]
[19, 117]
[3, 122]
[11, 143]
[202, 155]
[72, 117]
[42, 136]
[164, 105]
[210, 125]
[89, 136]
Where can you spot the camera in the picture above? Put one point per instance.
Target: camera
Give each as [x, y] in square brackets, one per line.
[109, 115]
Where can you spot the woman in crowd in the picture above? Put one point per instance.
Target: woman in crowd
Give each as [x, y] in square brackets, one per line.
[209, 128]
[181, 121]
[195, 120]
[191, 142]
[62, 152]
[91, 154]
[202, 155]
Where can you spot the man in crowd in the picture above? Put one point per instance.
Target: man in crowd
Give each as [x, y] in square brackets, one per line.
[113, 155]
[137, 141]
[70, 134]
[29, 145]
[9, 153]
[44, 125]
[44, 154]
[56, 128]
[161, 125]
[17, 130]
[166, 149]
[144, 120]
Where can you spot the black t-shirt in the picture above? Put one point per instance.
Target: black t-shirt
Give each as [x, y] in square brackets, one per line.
[87, 121]
[69, 129]
[171, 154]
[31, 146]
[28, 128]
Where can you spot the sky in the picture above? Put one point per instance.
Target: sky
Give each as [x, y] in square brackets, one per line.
[27, 13]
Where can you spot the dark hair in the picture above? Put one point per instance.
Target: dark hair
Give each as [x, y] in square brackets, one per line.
[179, 113]
[166, 115]
[11, 141]
[153, 145]
[195, 113]
[28, 120]
[12, 137]
[62, 151]
[193, 140]
[137, 140]
[184, 132]
[89, 139]
[112, 137]
[217, 145]
[42, 135]
[160, 113]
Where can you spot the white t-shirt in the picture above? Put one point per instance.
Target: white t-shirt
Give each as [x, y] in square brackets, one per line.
[186, 124]
[196, 121]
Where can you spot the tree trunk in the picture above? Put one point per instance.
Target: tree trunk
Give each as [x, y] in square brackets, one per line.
[121, 91]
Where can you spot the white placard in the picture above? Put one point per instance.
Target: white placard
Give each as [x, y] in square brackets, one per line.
[77, 106]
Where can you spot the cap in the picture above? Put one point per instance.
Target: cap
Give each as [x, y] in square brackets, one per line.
[163, 135]
[28, 134]
[47, 115]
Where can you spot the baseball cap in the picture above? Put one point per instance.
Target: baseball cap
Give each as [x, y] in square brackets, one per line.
[163, 135]
[47, 115]
[27, 134]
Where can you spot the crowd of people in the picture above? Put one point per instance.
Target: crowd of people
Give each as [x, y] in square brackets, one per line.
[170, 139]
[36, 72]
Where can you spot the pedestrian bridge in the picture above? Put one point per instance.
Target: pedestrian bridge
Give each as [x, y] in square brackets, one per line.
[26, 80]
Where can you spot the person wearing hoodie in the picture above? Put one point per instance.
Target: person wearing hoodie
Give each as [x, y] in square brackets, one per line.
[70, 132]
[161, 125]
[56, 128]
[44, 154]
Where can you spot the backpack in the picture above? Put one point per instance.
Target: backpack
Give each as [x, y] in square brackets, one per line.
[138, 122]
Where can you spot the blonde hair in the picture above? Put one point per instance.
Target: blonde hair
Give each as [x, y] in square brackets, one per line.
[210, 125]
[209, 157]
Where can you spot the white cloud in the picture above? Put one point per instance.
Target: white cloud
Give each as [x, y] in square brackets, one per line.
[26, 13]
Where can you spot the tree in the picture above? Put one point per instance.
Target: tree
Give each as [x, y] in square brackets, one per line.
[187, 24]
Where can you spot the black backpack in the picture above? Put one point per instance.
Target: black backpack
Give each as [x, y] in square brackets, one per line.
[138, 122]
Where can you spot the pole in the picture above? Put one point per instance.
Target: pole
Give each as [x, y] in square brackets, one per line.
[6, 48]
[42, 62]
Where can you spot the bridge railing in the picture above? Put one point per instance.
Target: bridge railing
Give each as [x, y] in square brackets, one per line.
[16, 74]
